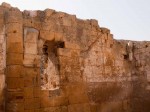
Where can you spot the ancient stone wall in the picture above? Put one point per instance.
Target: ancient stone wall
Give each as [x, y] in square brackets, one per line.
[2, 60]
[58, 63]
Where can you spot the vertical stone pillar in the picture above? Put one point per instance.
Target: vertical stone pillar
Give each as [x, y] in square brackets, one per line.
[14, 63]
[31, 62]
[2, 61]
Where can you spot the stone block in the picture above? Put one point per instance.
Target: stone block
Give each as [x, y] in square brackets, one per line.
[40, 43]
[2, 29]
[68, 53]
[13, 19]
[148, 76]
[15, 83]
[47, 26]
[31, 60]
[44, 93]
[78, 98]
[13, 28]
[48, 12]
[72, 45]
[6, 5]
[75, 78]
[93, 107]
[58, 36]
[30, 22]
[60, 14]
[79, 108]
[30, 48]
[94, 22]
[37, 81]
[14, 37]
[1, 19]
[2, 71]
[14, 107]
[66, 21]
[36, 92]
[28, 82]
[14, 47]
[14, 71]
[33, 103]
[13, 16]
[47, 35]
[108, 70]
[14, 59]
[30, 110]
[15, 97]
[54, 109]
[30, 35]
[64, 52]
[105, 30]
[2, 57]
[2, 82]
[2, 39]
[111, 106]
[79, 88]
[1, 48]
[32, 81]
[53, 101]
[126, 105]
[28, 92]
[31, 72]
[148, 87]
[63, 60]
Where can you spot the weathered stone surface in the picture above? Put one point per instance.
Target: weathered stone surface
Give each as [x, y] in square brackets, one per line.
[13, 28]
[47, 35]
[14, 59]
[14, 71]
[15, 97]
[14, 107]
[2, 82]
[79, 108]
[6, 5]
[53, 62]
[15, 83]
[14, 47]
[31, 60]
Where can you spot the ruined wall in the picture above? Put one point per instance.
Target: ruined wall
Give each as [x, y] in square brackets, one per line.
[2, 60]
[58, 63]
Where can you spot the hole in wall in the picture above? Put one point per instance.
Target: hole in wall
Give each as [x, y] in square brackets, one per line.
[111, 45]
[125, 56]
[60, 44]
[146, 46]
[14, 31]
[50, 66]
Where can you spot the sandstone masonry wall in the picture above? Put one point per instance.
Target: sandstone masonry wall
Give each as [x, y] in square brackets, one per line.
[58, 63]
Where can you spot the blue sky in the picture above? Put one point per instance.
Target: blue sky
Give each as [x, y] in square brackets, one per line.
[127, 19]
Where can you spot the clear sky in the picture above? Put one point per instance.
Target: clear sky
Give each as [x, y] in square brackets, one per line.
[127, 19]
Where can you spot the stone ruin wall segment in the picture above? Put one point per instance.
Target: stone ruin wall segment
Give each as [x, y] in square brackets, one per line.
[53, 62]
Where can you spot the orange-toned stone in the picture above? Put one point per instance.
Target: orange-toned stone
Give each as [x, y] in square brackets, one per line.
[47, 35]
[33, 103]
[14, 59]
[14, 71]
[15, 83]
[28, 92]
